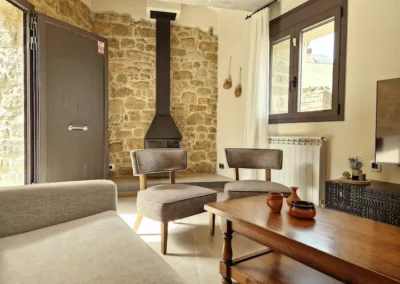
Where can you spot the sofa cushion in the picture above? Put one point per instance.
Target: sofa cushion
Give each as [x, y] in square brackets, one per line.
[247, 188]
[166, 203]
[30, 207]
[99, 249]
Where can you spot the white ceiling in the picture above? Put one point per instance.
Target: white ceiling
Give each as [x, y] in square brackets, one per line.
[245, 5]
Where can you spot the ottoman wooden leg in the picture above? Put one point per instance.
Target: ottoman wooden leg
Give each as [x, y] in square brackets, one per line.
[212, 224]
[164, 237]
[137, 223]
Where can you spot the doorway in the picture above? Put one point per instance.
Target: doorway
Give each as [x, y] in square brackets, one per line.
[72, 106]
[53, 99]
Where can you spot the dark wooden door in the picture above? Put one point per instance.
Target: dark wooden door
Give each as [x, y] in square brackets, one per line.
[72, 103]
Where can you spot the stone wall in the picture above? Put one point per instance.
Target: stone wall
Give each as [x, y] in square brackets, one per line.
[132, 88]
[132, 81]
[73, 12]
[280, 77]
[316, 93]
[11, 96]
[316, 99]
[316, 82]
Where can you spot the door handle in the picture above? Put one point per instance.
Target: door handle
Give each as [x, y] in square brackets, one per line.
[84, 128]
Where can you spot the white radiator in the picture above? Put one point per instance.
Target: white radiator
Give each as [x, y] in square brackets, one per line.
[303, 165]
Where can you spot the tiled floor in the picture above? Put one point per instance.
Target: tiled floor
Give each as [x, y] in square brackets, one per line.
[192, 252]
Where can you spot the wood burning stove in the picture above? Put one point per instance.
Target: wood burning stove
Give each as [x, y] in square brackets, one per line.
[163, 143]
[163, 132]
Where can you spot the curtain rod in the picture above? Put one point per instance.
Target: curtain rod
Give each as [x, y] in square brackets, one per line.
[266, 6]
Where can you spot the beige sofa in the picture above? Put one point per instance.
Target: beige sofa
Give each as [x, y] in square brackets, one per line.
[70, 233]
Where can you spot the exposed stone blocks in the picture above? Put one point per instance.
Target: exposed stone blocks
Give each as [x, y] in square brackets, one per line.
[316, 99]
[132, 88]
[73, 12]
[11, 96]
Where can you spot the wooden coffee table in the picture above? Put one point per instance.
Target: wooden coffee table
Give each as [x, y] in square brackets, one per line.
[334, 247]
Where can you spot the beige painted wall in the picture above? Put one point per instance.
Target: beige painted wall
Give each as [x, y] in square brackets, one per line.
[372, 55]
[233, 41]
[284, 6]
[191, 16]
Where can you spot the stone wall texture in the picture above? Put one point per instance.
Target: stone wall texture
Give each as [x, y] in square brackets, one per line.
[316, 93]
[280, 77]
[194, 56]
[316, 82]
[11, 96]
[73, 12]
[132, 88]
[316, 99]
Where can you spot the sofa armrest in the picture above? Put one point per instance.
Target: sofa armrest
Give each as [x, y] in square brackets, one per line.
[31, 207]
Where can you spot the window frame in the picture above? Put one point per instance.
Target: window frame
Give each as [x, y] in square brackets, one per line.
[291, 24]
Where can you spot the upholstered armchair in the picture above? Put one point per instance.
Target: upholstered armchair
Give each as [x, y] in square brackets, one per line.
[256, 159]
[167, 202]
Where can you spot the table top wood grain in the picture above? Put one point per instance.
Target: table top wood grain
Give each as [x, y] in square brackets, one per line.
[332, 243]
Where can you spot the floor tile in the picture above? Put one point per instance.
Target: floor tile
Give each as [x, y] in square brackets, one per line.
[191, 251]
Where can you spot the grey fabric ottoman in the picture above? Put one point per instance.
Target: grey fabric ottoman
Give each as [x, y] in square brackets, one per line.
[169, 202]
[165, 203]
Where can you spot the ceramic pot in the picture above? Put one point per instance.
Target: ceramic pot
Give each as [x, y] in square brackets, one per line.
[227, 84]
[293, 196]
[238, 91]
[302, 209]
[275, 201]
[228, 81]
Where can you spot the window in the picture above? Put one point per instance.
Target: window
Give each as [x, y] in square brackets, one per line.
[308, 63]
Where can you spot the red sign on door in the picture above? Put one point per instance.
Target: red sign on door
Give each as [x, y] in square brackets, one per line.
[100, 47]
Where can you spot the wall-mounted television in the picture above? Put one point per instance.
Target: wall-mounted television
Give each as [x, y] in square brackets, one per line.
[387, 145]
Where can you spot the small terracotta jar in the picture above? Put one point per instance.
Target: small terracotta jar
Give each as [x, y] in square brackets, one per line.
[275, 201]
[238, 91]
[293, 196]
[302, 209]
[227, 84]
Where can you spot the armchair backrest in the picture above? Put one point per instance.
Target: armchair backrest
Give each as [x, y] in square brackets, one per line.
[268, 159]
[151, 161]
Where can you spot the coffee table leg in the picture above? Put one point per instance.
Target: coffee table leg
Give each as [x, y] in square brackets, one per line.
[226, 262]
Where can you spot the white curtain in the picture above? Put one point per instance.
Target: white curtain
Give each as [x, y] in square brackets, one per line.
[257, 94]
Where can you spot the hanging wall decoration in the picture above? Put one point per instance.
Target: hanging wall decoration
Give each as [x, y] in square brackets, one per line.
[228, 80]
[238, 90]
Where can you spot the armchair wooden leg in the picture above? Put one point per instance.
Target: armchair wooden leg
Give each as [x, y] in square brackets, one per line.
[164, 237]
[212, 224]
[139, 219]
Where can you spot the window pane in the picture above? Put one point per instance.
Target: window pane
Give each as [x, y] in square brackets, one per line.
[280, 76]
[316, 71]
[12, 158]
